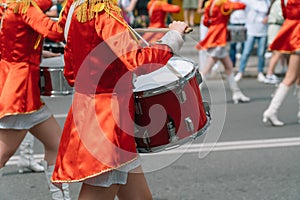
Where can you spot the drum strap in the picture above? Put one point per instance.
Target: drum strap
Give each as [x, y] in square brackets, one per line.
[69, 17]
[211, 7]
[2, 17]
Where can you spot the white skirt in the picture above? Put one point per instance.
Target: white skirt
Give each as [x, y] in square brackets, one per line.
[25, 121]
[217, 52]
[116, 176]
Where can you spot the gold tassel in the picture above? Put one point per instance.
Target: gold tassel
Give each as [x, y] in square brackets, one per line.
[37, 42]
[87, 10]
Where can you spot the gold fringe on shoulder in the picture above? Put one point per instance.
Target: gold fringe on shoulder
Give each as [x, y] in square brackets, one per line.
[20, 6]
[88, 8]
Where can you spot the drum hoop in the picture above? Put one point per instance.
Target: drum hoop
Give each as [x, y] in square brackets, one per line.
[168, 87]
[57, 93]
[51, 69]
[173, 145]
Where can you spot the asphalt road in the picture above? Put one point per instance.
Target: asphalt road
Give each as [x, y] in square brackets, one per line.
[240, 158]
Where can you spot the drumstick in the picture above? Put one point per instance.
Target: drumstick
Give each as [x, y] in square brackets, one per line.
[173, 70]
[155, 30]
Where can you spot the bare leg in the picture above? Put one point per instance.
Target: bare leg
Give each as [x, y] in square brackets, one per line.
[89, 192]
[192, 16]
[136, 187]
[186, 16]
[227, 65]
[293, 70]
[48, 132]
[276, 56]
[210, 61]
[9, 142]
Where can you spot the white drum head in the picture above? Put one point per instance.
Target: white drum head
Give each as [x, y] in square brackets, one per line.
[54, 62]
[163, 76]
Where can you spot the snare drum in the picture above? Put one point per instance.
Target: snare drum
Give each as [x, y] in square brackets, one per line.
[236, 33]
[180, 115]
[52, 80]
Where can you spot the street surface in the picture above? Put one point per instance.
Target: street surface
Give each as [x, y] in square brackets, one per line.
[240, 158]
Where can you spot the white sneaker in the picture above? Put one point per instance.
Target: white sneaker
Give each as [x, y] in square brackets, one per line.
[261, 77]
[272, 79]
[238, 56]
[268, 55]
[238, 77]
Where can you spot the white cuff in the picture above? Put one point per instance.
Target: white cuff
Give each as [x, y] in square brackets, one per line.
[173, 39]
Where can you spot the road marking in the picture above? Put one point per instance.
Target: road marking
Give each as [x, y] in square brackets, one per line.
[211, 147]
[235, 145]
[61, 115]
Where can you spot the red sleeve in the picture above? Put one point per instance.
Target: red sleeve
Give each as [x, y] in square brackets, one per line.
[42, 24]
[44, 4]
[170, 8]
[120, 40]
[230, 6]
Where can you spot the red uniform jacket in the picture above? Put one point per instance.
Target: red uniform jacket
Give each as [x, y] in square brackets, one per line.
[216, 19]
[100, 59]
[21, 47]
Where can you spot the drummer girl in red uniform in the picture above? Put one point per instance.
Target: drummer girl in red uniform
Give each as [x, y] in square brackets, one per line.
[216, 17]
[97, 146]
[23, 26]
[287, 41]
[158, 10]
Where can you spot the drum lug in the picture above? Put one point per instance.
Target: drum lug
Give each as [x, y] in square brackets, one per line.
[146, 139]
[172, 131]
[181, 95]
[138, 108]
[189, 124]
[207, 108]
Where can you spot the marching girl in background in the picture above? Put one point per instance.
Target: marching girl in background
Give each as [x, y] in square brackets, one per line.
[286, 41]
[97, 146]
[23, 27]
[158, 10]
[216, 17]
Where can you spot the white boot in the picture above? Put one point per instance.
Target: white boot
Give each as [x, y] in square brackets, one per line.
[57, 193]
[26, 160]
[271, 113]
[237, 95]
[298, 97]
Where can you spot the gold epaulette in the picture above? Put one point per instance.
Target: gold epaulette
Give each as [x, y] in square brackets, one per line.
[21, 6]
[220, 2]
[88, 8]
